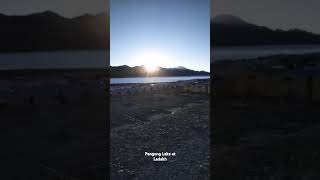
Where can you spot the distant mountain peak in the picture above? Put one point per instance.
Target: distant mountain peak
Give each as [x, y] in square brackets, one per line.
[180, 67]
[46, 14]
[232, 31]
[229, 19]
[49, 12]
[49, 31]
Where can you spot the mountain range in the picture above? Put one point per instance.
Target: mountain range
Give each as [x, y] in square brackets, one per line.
[139, 71]
[228, 30]
[48, 31]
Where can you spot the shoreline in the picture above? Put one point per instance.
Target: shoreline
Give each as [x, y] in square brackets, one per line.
[195, 85]
[205, 78]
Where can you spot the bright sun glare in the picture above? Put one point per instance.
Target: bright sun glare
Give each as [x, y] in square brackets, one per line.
[150, 68]
[151, 60]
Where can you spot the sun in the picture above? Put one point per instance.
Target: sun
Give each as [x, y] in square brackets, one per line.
[150, 60]
[151, 68]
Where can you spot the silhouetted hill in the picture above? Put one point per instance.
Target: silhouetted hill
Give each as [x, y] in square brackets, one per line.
[48, 31]
[229, 20]
[180, 67]
[139, 71]
[228, 30]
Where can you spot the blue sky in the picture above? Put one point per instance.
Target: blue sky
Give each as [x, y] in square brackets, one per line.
[167, 32]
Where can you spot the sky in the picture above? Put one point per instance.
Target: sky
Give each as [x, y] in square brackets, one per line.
[167, 33]
[283, 14]
[67, 8]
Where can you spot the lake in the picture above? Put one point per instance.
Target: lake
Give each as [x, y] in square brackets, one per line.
[133, 80]
[54, 60]
[248, 52]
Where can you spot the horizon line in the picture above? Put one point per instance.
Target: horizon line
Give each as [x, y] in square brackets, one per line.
[160, 67]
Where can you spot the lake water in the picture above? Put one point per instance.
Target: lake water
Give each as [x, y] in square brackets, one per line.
[100, 58]
[154, 79]
[53, 60]
[248, 52]
[73, 59]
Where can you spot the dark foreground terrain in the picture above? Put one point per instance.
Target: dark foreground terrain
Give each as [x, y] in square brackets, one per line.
[53, 125]
[157, 122]
[263, 139]
[258, 136]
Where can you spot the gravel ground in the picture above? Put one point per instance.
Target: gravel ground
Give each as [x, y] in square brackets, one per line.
[52, 127]
[265, 140]
[160, 123]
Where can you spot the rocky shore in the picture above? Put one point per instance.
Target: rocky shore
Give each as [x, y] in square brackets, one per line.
[196, 86]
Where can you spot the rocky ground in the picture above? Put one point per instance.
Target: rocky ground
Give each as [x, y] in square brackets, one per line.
[265, 139]
[53, 126]
[168, 122]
